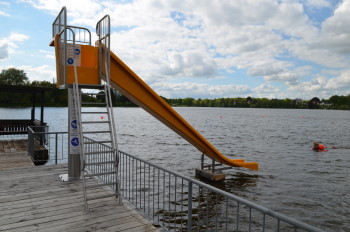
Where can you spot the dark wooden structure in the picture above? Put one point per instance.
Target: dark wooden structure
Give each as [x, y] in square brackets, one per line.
[34, 91]
[20, 126]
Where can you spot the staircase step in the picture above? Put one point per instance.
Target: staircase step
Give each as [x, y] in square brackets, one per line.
[97, 163]
[100, 185]
[95, 94]
[97, 152]
[86, 86]
[100, 174]
[97, 142]
[93, 103]
[102, 196]
[104, 112]
[95, 132]
[89, 122]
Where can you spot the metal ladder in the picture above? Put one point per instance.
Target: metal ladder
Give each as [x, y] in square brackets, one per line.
[99, 152]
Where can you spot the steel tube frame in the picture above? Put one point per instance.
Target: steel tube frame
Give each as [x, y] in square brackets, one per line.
[230, 197]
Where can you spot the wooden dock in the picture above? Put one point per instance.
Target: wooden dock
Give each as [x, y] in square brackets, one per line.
[13, 153]
[35, 199]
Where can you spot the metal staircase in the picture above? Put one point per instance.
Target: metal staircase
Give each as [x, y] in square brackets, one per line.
[93, 136]
[99, 152]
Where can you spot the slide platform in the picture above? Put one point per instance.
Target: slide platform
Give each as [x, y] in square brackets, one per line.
[133, 87]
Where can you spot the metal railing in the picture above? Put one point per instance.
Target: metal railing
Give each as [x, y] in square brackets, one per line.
[102, 160]
[54, 142]
[180, 203]
[82, 35]
[9, 127]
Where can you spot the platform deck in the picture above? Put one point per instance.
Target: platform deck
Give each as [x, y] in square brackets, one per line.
[13, 154]
[35, 199]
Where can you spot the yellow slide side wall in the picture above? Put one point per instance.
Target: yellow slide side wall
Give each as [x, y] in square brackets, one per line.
[133, 87]
[87, 65]
[88, 68]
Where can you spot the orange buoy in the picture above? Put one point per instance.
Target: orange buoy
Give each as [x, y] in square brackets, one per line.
[321, 147]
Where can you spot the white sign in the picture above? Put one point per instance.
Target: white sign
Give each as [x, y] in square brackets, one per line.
[74, 143]
[71, 51]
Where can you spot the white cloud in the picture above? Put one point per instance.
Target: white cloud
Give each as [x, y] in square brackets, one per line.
[3, 51]
[39, 73]
[335, 30]
[3, 13]
[48, 54]
[4, 8]
[318, 3]
[35, 73]
[163, 40]
[266, 91]
[8, 45]
[196, 90]
[324, 87]
[341, 82]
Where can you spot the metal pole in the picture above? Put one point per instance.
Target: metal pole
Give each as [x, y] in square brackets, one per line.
[56, 148]
[33, 108]
[189, 214]
[213, 165]
[42, 108]
[202, 162]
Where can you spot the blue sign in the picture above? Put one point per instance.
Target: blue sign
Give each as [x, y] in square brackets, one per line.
[74, 124]
[77, 51]
[70, 61]
[74, 142]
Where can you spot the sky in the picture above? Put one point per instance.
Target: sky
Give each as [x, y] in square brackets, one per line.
[199, 48]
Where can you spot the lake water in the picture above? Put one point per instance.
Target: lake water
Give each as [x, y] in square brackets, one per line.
[313, 187]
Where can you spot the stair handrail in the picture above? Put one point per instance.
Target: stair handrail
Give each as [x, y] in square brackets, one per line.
[75, 91]
[103, 29]
[103, 32]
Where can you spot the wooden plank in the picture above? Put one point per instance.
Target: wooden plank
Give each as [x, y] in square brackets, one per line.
[47, 211]
[13, 153]
[91, 223]
[10, 160]
[67, 215]
[35, 199]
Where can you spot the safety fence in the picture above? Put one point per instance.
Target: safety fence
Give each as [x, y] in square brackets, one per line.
[101, 161]
[177, 202]
[47, 147]
[180, 203]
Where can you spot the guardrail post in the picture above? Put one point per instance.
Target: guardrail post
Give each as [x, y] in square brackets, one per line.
[189, 214]
[56, 148]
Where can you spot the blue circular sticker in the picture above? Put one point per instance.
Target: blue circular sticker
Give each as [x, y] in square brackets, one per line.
[74, 141]
[74, 124]
[70, 61]
[77, 51]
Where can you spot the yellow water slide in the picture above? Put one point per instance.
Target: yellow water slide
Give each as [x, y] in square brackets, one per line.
[133, 87]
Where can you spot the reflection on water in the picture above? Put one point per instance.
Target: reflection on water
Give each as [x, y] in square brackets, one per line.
[293, 179]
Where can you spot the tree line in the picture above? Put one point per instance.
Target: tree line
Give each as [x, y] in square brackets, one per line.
[334, 102]
[59, 97]
[53, 96]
